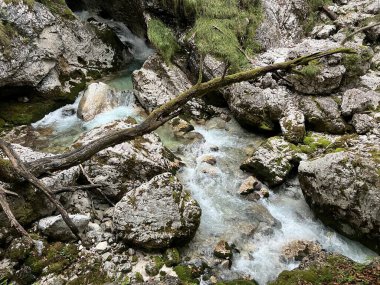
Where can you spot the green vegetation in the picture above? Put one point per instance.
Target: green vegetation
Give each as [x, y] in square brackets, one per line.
[7, 32]
[354, 63]
[312, 17]
[336, 270]
[185, 274]
[311, 70]
[58, 7]
[55, 258]
[163, 39]
[29, 3]
[18, 113]
[224, 29]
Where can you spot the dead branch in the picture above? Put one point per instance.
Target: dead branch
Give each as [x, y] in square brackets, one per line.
[332, 15]
[21, 169]
[162, 114]
[40, 167]
[8, 212]
[76, 188]
[89, 180]
[358, 31]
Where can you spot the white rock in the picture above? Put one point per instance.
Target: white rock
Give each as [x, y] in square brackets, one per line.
[55, 228]
[102, 246]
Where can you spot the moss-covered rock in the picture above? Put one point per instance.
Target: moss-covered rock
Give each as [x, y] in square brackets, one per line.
[273, 161]
[334, 270]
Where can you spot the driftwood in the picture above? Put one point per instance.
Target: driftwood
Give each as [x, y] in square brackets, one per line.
[31, 171]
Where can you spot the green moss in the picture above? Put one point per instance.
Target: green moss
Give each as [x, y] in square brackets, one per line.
[58, 7]
[185, 274]
[7, 32]
[138, 277]
[18, 113]
[55, 258]
[172, 257]
[311, 70]
[163, 39]
[335, 270]
[312, 16]
[266, 126]
[238, 282]
[355, 62]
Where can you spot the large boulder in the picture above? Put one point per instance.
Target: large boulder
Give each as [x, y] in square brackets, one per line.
[323, 114]
[127, 165]
[158, 214]
[156, 83]
[357, 101]
[273, 161]
[55, 227]
[37, 43]
[99, 98]
[343, 189]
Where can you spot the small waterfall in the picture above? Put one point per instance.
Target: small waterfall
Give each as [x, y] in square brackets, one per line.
[137, 46]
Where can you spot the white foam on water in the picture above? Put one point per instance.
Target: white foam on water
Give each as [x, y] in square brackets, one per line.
[137, 46]
[224, 212]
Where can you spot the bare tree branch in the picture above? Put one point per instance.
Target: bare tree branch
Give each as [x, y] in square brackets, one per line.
[21, 169]
[8, 212]
[358, 31]
[162, 114]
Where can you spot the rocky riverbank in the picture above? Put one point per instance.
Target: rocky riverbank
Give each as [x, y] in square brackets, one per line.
[202, 200]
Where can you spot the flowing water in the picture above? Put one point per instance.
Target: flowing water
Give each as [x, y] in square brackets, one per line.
[225, 215]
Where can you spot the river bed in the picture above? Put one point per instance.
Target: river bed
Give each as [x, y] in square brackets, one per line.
[225, 214]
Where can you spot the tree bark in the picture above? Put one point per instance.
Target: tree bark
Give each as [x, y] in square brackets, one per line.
[38, 168]
[163, 114]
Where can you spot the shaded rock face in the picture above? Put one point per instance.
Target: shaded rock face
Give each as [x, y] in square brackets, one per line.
[157, 214]
[130, 12]
[344, 190]
[32, 205]
[54, 45]
[273, 161]
[125, 166]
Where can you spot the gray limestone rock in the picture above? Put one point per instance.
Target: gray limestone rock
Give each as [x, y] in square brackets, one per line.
[343, 189]
[56, 229]
[157, 214]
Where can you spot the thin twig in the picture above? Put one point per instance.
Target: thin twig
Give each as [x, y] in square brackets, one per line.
[89, 180]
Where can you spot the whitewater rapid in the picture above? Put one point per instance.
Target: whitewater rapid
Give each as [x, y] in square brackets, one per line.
[225, 214]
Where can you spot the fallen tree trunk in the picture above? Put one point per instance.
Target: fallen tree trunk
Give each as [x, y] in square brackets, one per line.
[164, 113]
[33, 170]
